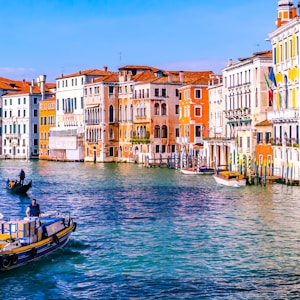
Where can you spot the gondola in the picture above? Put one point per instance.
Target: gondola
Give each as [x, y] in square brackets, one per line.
[16, 187]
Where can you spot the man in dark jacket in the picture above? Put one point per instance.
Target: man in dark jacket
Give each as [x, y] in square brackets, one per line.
[22, 176]
[33, 210]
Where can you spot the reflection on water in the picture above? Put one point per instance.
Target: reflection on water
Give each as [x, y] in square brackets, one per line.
[156, 233]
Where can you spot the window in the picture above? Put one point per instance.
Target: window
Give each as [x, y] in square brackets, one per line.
[35, 113]
[176, 132]
[34, 100]
[156, 109]
[268, 136]
[24, 113]
[198, 131]
[156, 92]
[259, 137]
[198, 94]
[111, 151]
[111, 133]
[120, 113]
[157, 132]
[111, 113]
[35, 128]
[198, 111]
[164, 131]
[157, 148]
[164, 109]
[163, 92]
[177, 109]
[24, 101]
[57, 104]
[163, 149]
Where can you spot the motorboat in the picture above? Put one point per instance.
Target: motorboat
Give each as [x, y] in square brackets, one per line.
[32, 238]
[230, 178]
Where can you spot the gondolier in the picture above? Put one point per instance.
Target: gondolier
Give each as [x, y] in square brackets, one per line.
[33, 210]
[22, 176]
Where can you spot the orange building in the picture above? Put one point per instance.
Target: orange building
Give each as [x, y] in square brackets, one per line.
[264, 159]
[47, 113]
[194, 113]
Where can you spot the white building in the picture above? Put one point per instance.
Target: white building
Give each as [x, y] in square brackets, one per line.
[245, 101]
[20, 119]
[66, 140]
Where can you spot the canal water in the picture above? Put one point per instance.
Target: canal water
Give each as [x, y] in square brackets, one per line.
[157, 234]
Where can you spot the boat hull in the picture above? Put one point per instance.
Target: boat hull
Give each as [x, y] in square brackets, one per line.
[230, 182]
[19, 189]
[23, 255]
[204, 171]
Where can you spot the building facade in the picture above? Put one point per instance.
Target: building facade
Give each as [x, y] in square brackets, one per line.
[285, 84]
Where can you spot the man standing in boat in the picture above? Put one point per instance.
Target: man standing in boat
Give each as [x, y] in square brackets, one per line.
[33, 210]
[22, 176]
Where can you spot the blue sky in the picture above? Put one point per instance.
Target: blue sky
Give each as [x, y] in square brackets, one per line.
[64, 36]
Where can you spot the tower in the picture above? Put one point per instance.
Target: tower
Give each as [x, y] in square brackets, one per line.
[286, 12]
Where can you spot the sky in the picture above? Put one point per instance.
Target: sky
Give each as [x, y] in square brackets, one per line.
[55, 37]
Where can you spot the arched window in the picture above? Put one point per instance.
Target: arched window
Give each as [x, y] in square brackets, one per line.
[156, 109]
[125, 114]
[164, 109]
[111, 113]
[131, 112]
[156, 131]
[120, 113]
[111, 134]
[164, 131]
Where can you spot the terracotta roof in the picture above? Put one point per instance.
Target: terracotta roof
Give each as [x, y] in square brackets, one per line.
[264, 123]
[5, 86]
[134, 67]
[114, 77]
[94, 72]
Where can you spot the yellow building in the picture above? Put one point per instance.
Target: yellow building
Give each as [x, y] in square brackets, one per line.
[285, 77]
[47, 113]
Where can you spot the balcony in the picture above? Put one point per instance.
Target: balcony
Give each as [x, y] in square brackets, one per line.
[288, 115]
[12, 135]
[140, 141]
[198, 140]
[182, 140]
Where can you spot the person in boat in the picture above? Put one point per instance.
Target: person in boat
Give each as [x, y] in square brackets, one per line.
[22, 176]
[33, 210]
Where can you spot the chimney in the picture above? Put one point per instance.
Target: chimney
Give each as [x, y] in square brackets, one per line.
[42, 83]
[105, 68]
[169, 78]
[230, 62]
[181, 75]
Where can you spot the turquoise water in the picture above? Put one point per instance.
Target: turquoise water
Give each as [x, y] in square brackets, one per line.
[157, 234]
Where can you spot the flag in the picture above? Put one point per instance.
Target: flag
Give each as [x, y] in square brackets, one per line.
[272, 76]
[270, 91]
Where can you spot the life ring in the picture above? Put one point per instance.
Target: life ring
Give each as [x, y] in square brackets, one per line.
[14, 258]
[74, 226]
[5, 262]
[33, 253]
[55, 239]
